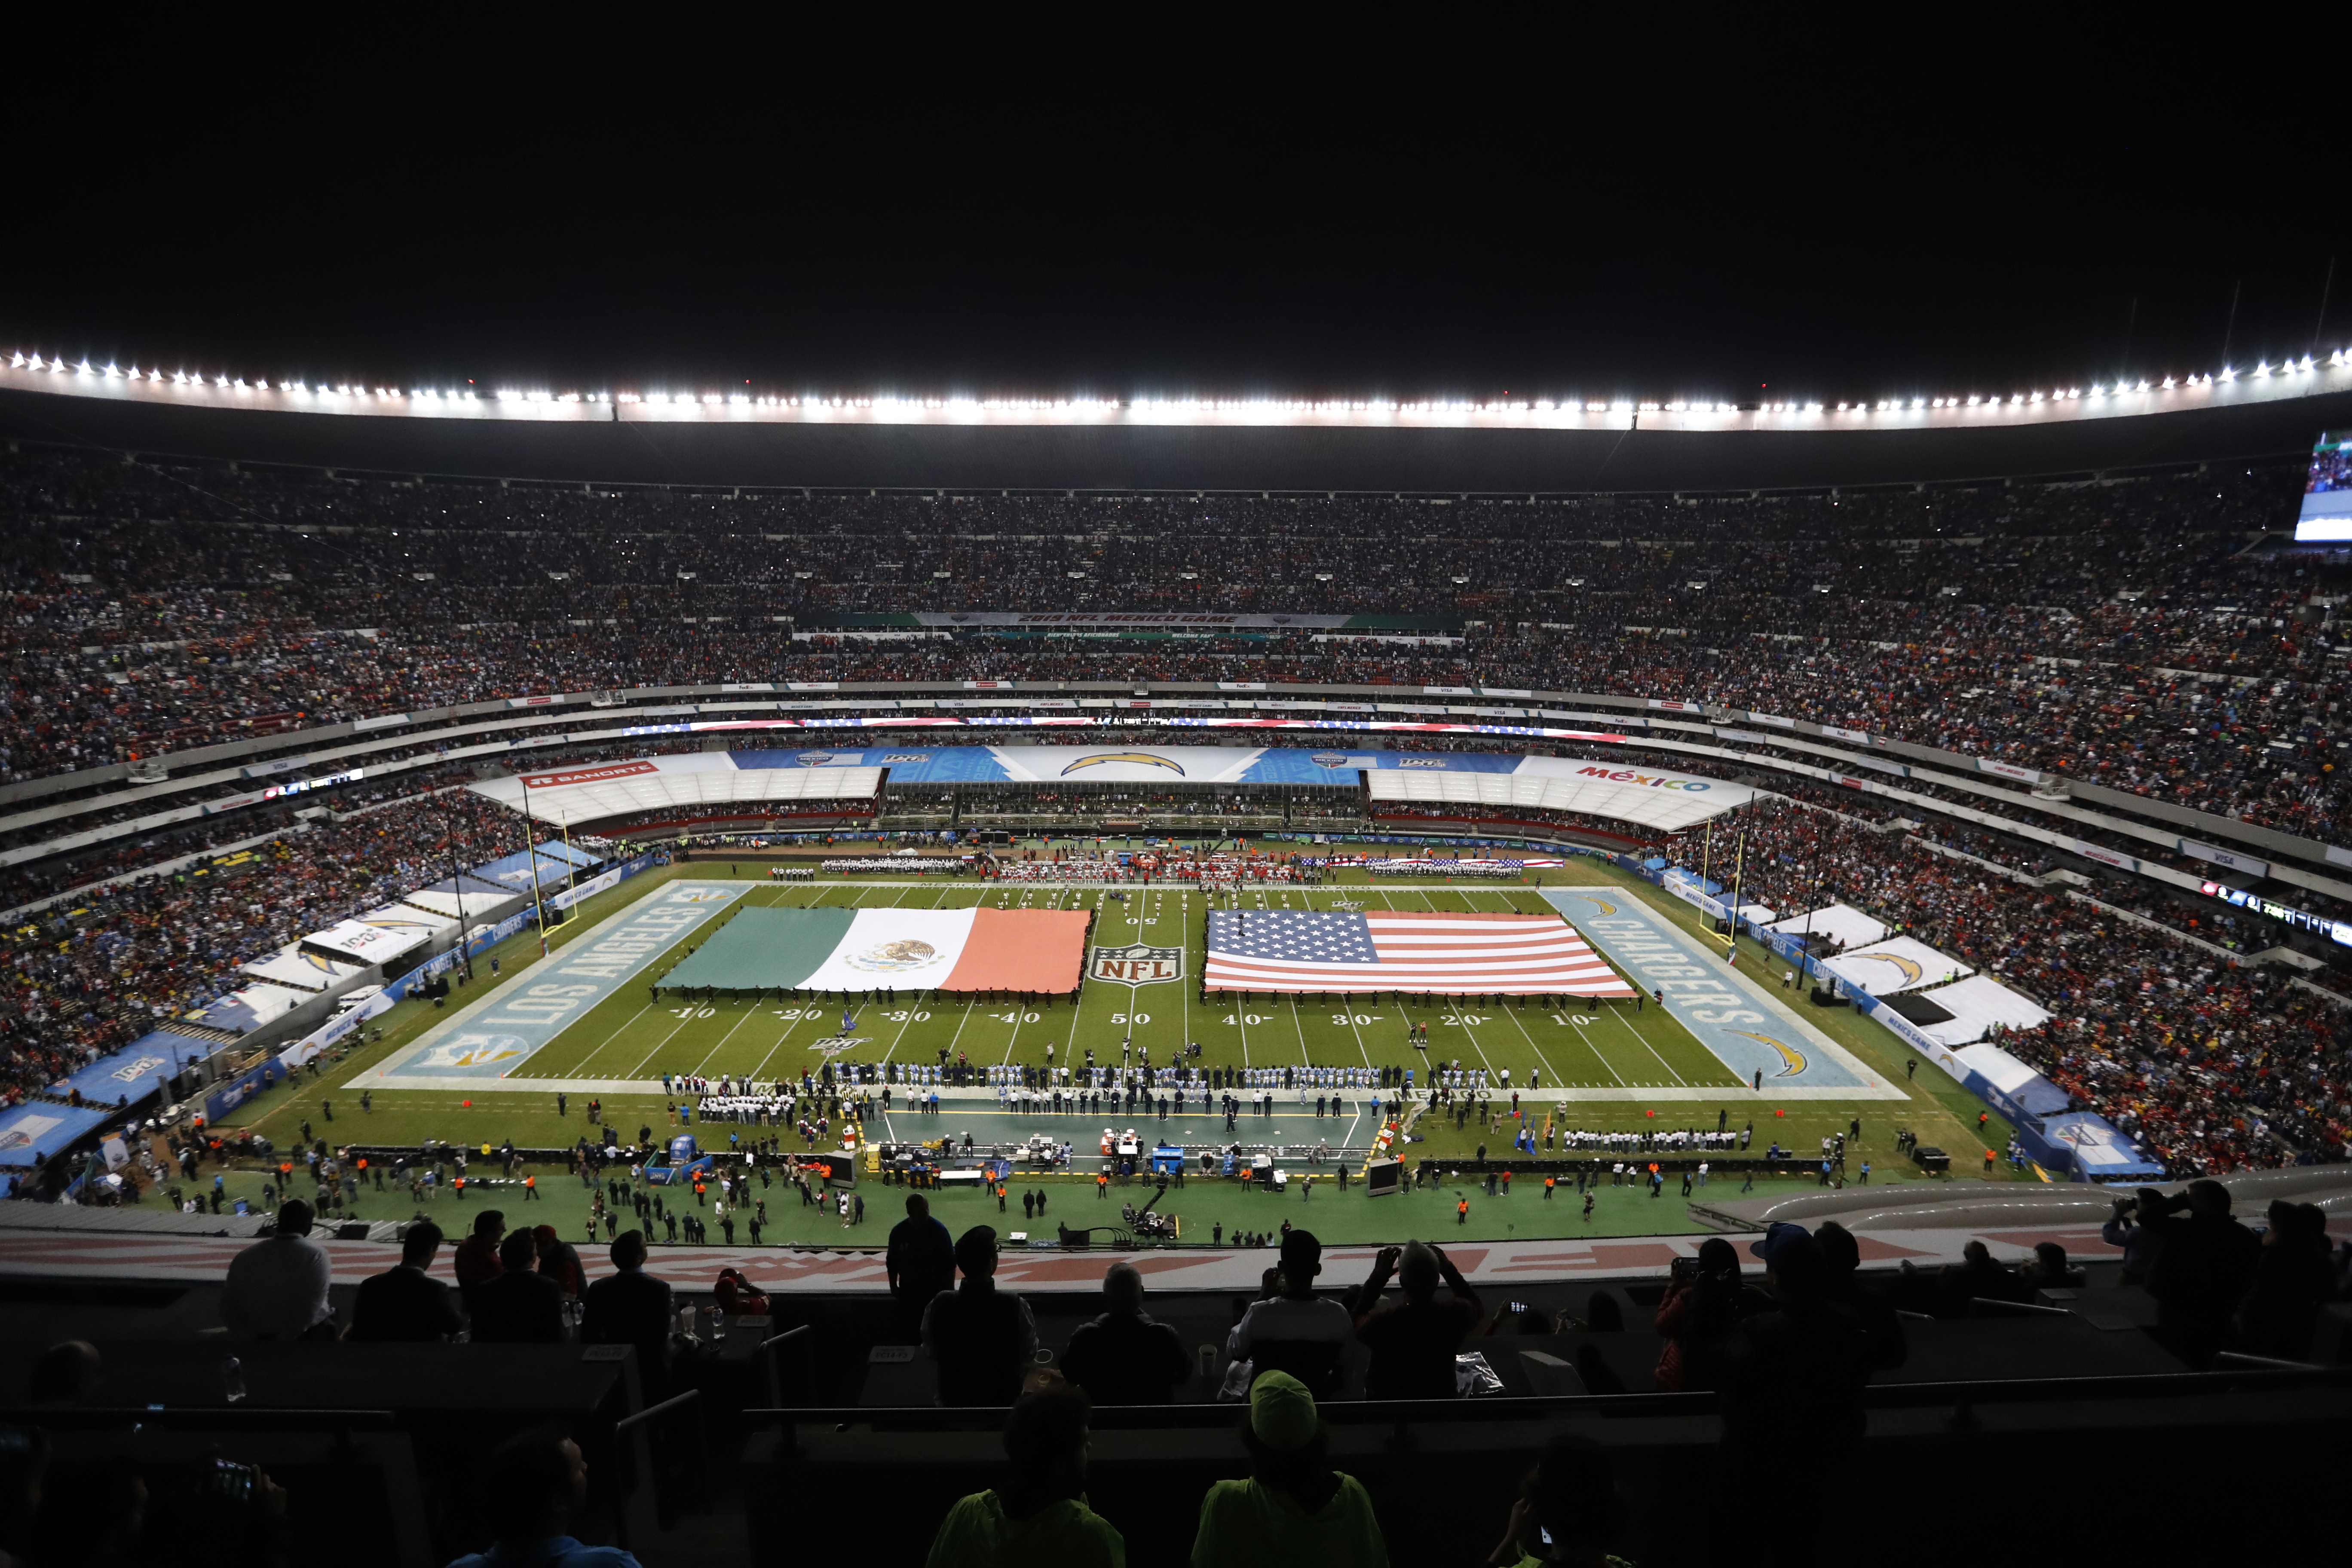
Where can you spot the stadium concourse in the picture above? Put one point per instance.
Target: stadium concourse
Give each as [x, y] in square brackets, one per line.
[1906, 920]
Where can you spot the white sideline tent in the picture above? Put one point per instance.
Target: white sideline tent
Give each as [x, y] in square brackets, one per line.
[1898, 963]
[1978, 1004]
[301, 969]
[433, 902]
[1842, 924]
[1667, 810]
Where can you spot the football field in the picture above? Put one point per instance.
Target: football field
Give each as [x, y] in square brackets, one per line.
[629, 1036]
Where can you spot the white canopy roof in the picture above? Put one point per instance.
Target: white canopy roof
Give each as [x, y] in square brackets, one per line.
[1839, 922]
[662, 784]
[304, 971]
[1667, 810]
[1977, 1005]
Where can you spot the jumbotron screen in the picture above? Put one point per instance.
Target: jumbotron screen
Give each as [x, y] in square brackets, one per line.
[2327, 498]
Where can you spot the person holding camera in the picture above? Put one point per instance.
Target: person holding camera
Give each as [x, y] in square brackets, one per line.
[1413, 1341]
[2141, 1242]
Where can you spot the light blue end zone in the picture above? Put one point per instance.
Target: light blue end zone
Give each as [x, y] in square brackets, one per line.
[1746, 1035]
[496, 1035]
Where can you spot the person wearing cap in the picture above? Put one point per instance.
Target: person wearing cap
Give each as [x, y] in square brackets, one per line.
[1042, 1515]
[1294, 1511]
[1295, 1330]
[1792, 1377]
[981, 1339]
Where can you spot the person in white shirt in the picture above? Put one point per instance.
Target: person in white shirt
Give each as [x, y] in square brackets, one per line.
[277, 1287]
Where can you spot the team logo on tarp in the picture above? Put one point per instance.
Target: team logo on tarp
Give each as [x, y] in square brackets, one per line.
[908, 757]
[1909, 968]
[131, 1072]
[1143, 759]
[1793, 1058]
[1421, 762]
[1329, 759]
[1138, 965]
[474, 1051]
[813, 759]
[1604, 905]
[20, 1133]
[894, 957]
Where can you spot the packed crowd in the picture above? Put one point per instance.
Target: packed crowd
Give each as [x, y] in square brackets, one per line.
[2209, 1065]
[236, 603]
[75, 984]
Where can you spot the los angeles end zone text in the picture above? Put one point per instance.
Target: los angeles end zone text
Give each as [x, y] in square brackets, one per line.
[587, 1024]
[496, 1036]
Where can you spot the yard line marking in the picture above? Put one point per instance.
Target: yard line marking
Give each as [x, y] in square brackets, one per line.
[666, 1039]
[724, 1038]
[789, 1024]
[1537, 1048]
[581, 1070]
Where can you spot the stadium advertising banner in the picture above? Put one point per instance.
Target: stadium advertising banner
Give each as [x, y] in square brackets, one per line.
[2327, 495]
[1126, 620]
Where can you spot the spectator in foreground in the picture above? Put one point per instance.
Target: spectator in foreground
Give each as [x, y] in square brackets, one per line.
[476, 1257]
[981, 1339]
[1883, 1343]
[921, 1258]
[1794, 1375]
[1124, 1357]
[2205, 1266]
[1040, 1516]
[277, 1287]
[1570, 1497]
[1294, 1331]
[1413, 1341]
[405, 1302]
[521, 1306]
[67, 1374]
[2291, 1280]
[1295, 1510]
[631, 1307]
[1702, 1308]
[535, 1481]
[559, 1260]
[2128, 1229]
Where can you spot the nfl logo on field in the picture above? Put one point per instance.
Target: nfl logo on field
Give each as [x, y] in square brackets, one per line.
[1138, 965]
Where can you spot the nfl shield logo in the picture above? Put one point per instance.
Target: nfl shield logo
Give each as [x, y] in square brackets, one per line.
[1138, 965]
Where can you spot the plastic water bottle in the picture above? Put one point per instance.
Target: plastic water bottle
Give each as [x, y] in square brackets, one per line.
[233, 1380]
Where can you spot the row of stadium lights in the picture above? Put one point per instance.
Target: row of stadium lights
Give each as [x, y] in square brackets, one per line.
[58, 366]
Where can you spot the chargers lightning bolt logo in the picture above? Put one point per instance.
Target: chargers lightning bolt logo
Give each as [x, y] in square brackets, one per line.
[1142, 758]
[1793, 1058]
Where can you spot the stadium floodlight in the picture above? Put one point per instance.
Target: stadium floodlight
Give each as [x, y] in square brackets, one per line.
[2228, 373]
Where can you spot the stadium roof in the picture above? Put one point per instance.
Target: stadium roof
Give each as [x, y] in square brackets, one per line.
[1126, 447]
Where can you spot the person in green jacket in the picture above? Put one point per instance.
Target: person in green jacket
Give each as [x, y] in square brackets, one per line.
[1042, 1517]
[1295, 1510]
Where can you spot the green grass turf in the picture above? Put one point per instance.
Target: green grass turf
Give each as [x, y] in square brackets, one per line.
[631, 1035]
[628, 1034]
[1201, 1206]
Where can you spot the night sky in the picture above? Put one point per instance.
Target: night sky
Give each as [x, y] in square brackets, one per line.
[1189, 215]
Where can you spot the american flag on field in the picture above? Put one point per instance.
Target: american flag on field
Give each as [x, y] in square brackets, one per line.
[1286, 950]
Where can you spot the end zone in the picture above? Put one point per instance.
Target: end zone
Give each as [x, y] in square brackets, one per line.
[488, 1039]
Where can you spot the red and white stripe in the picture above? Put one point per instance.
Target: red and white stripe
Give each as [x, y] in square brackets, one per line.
[1446, 954]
